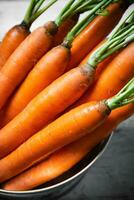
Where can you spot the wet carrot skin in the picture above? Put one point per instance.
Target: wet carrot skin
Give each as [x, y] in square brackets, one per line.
[9, 115]
[39, 112]
[65, 158]
[11, 41]
[99, 70]
[63, 131]
[24, 58]
[54, 63]
[94, 33]
[35, 82]
[113, 78]
[39, 78]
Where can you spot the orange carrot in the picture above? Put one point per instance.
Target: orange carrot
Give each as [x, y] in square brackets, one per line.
[50, 67]
[65, 130]
[13, 107]
[28, 90]
[65, 158]
[54, 63]
[28, 53]
[18, 33]
[23, 59]
[113, 77]
[59, 95]
[39, 111]
[94, 33]
[101, 66]
[11, 41]
[64, 29]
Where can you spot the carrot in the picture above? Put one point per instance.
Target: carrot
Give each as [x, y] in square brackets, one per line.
[96, 31]
[12, 108]
[8, 112]
[11, 41]
[113, 78]
[18, 33]
[39, 112]
[65, 158]
[65, 28]
[50, 67]
[101, 66]
[29, 52]
[59, 95]
[11, 75]
[63, 131]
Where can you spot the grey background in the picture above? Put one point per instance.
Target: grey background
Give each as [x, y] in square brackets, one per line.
[112, 176]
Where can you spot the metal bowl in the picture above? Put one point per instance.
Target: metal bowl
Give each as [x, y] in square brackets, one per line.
[64, 183]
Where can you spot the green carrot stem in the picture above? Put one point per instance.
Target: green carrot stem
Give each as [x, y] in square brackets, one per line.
[38, 5]
[85, 9]
[84, 25]
[131, 18]
[106, 50]
[127, 15]
[37, 14]
[103, 13]
[29, 12]
[115, 49]
[85, 6]
[124, 97]
[34, 11]
[123, 29]
[68, 5]
[77, 29]
[73, 9]
[114, 46]
[69, 12]
[124, 34]
[115, 41]
[81, 25]
[118, 39]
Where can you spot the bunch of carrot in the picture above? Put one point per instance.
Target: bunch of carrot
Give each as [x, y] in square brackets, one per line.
[41, 40]
[61, 110]
[39, 77]
[18, 33]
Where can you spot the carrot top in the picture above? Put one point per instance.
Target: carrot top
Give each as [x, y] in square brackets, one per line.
[34, 11]
[121, 36]
[70, 9]
[93, 8]
[79, 6]
[124, 97]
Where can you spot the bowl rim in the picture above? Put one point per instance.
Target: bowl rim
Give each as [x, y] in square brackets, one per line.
[48, 188]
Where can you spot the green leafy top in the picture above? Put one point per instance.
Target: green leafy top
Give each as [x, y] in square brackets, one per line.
[124, 97]
[34, 11]
[121, 36]
[93, 8]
